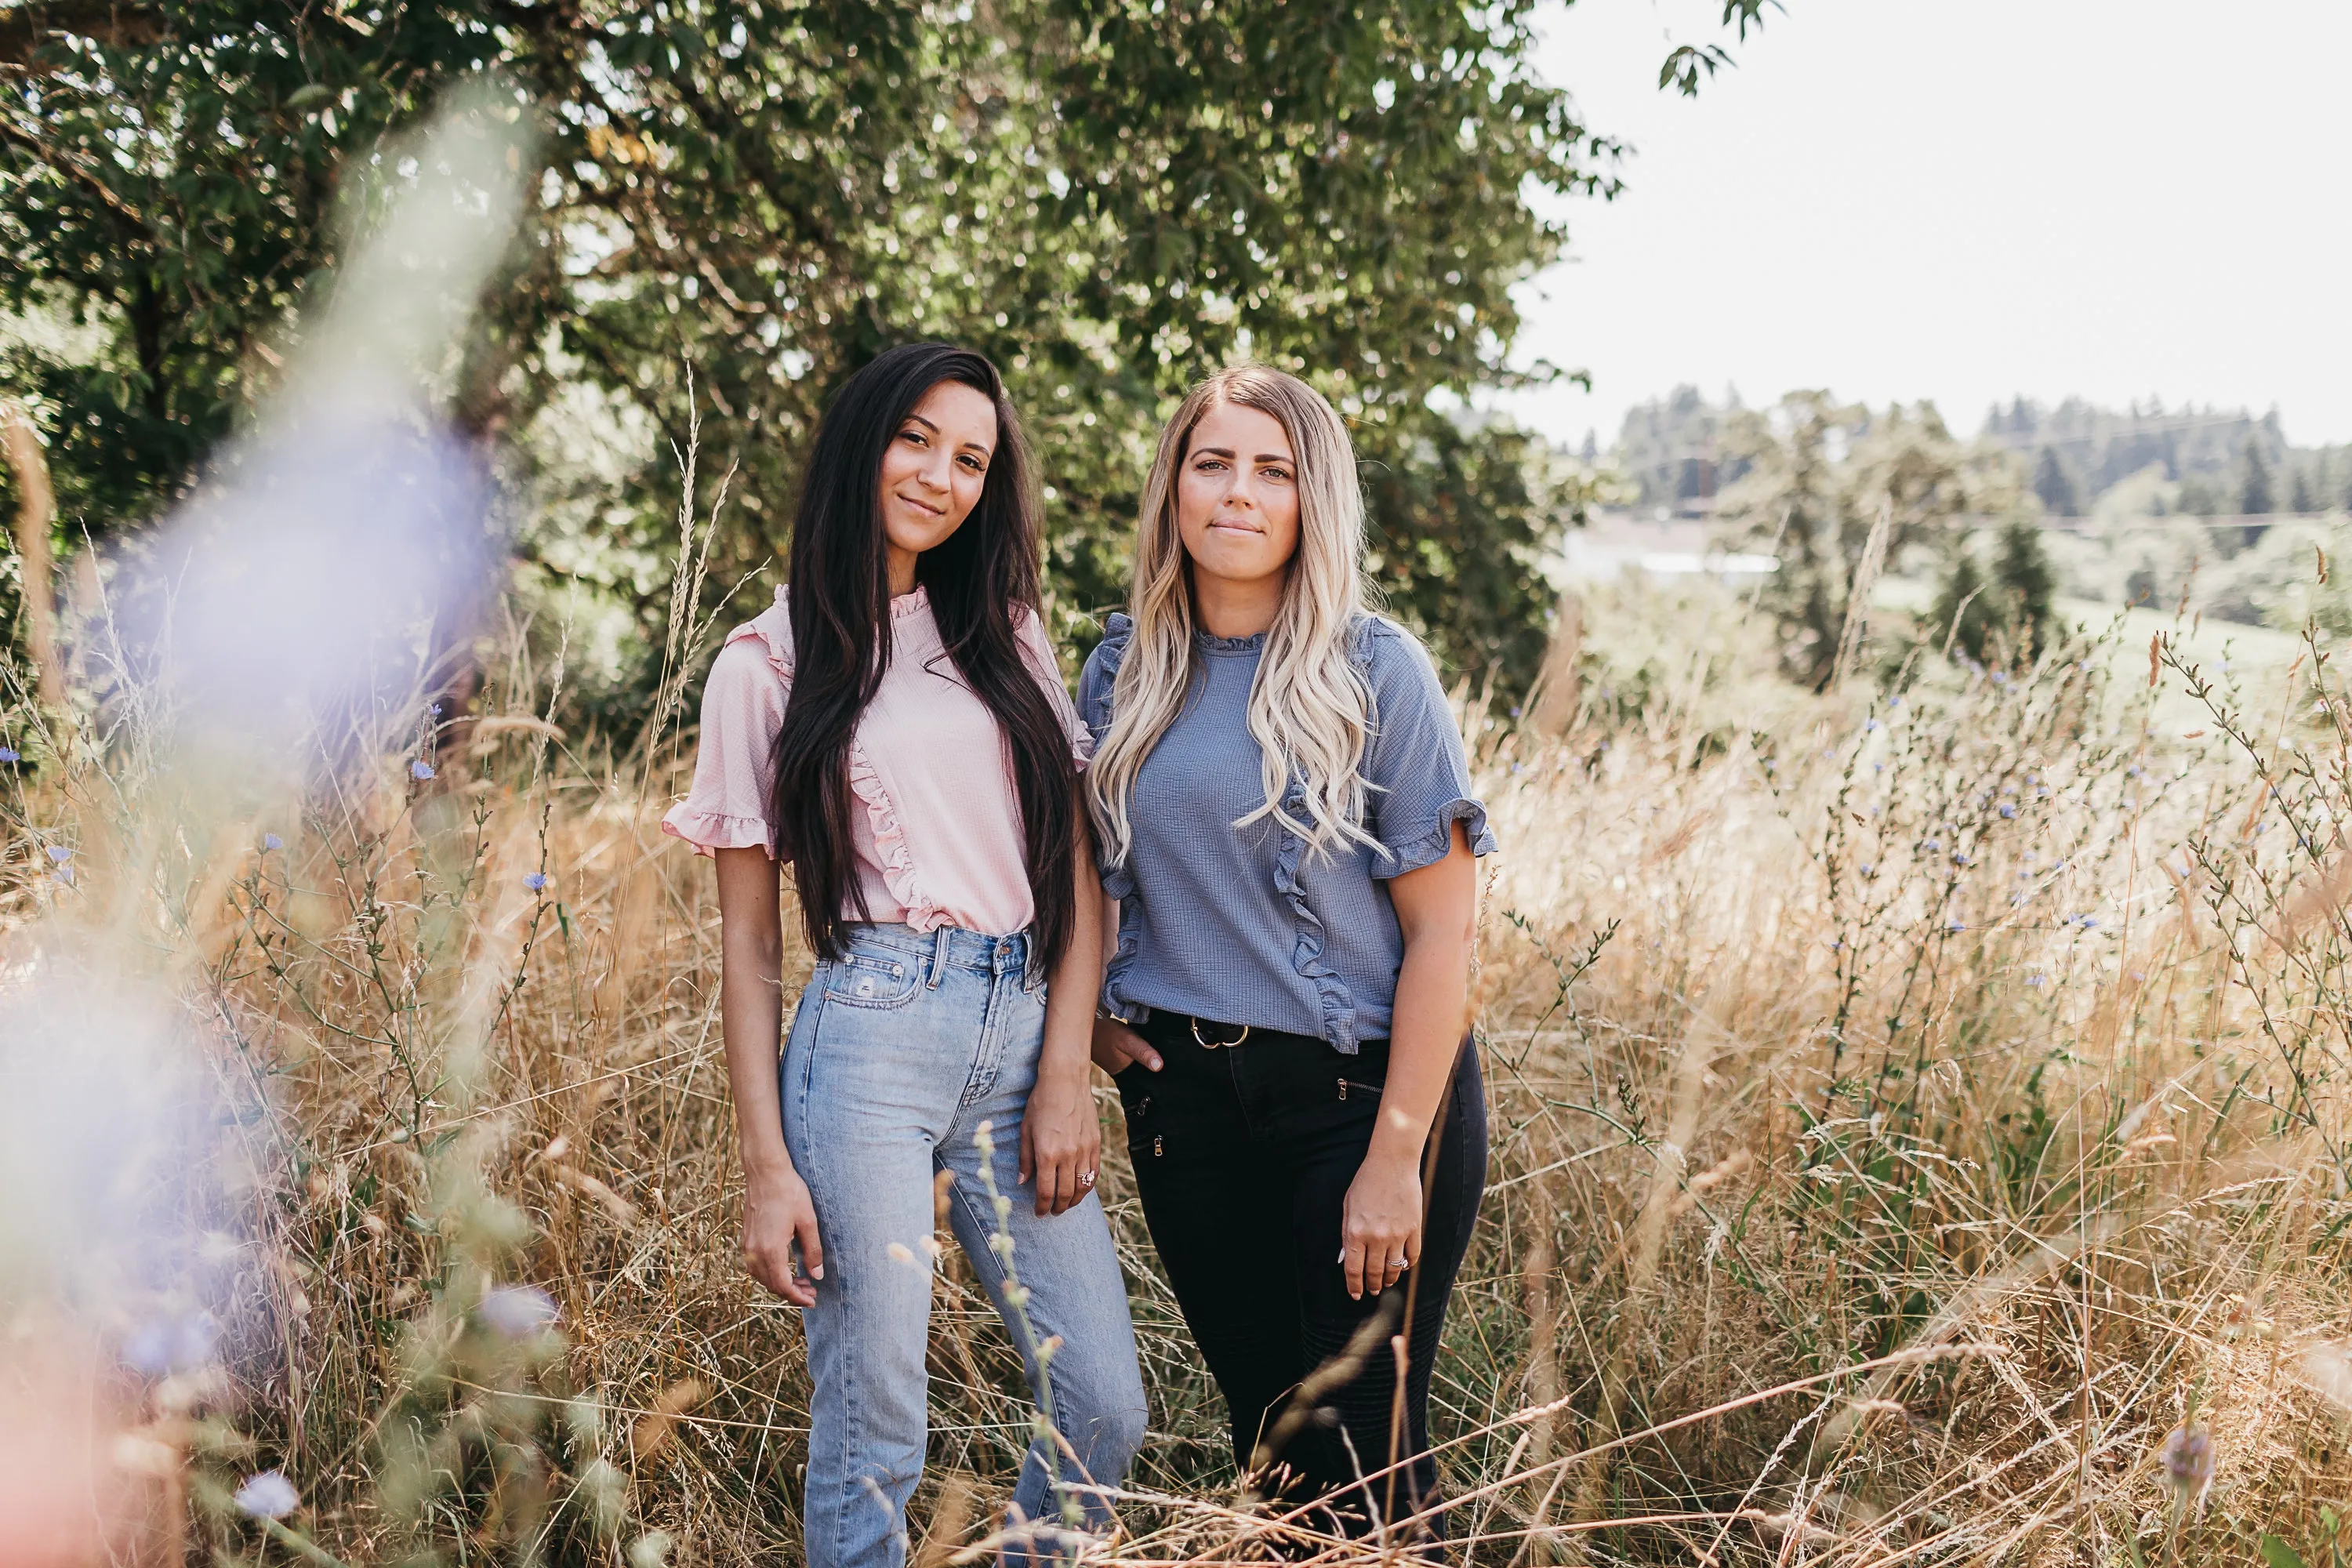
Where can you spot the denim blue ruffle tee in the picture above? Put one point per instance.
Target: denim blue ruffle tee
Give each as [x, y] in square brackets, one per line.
[1241, 924]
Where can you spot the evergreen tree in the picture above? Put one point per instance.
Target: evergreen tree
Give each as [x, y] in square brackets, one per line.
[2027, 585]
[1960, 619]
[2301, 495]
[2255, 495]
[2056, 486]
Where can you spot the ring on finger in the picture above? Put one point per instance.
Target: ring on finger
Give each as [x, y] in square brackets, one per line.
[1085, 1178]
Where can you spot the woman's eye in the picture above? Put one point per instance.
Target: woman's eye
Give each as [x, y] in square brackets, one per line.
[1276, 473]
[915, 437]
[974, 464]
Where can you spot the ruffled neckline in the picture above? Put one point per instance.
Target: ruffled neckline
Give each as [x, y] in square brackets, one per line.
[912, 604]
[1208, 642]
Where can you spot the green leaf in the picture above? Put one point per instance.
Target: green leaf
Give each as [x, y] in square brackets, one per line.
[2279, 1554]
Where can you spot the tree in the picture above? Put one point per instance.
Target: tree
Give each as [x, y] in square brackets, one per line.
[2256, 497]
[1901, 474]
[2302, 494]
[2003, 619]
[1109, 196]
[2056, 486]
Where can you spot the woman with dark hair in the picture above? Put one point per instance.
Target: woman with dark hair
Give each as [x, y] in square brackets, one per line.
[895, 728]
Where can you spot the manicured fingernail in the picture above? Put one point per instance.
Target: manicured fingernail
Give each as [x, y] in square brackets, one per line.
[817, 1272]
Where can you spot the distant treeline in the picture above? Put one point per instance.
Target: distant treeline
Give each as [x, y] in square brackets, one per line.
[2191, 460]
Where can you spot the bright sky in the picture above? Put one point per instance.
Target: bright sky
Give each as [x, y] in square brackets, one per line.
[1907, 199]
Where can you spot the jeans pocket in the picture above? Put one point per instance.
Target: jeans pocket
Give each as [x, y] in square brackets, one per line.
[861, 979]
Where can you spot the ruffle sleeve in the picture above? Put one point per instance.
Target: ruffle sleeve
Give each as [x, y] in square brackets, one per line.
[1101, 674]
[1415, 764]
[735, 757]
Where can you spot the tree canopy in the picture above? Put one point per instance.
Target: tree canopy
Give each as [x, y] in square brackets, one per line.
[1109, 196]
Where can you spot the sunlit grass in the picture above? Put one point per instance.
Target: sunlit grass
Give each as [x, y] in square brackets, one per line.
[1906, 1115]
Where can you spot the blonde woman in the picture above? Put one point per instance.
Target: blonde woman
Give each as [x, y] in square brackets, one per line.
[1288, 842]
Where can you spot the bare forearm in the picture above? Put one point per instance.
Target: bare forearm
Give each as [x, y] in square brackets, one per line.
[1433, 993]
[1437, 909]
[751, 1003]
[751, 1019]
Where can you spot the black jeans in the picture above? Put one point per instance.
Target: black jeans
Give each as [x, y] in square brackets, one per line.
[1242, 1158]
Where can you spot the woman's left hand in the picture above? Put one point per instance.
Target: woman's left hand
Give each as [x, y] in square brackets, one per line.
[1380, 1226]
[1061, 1139]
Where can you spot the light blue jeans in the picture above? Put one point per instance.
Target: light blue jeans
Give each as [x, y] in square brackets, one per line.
[901, 1051]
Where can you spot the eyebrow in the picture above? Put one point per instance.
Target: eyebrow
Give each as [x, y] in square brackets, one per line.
[967, 447]
[1228, 452]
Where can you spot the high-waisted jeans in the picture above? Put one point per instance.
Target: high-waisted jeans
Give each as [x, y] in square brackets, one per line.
[899, 1052]
[1242, 1159]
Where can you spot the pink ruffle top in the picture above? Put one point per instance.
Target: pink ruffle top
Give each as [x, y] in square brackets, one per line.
[938, 841]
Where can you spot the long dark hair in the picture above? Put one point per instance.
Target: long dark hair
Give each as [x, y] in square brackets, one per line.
[840, 604]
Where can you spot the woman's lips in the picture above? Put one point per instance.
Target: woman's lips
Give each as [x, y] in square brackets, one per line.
[924, 507]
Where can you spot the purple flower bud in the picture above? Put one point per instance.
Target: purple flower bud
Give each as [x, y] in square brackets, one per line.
[517, 1311]
[8, 754]
[272, 841]
[420, 769]
[2188, 1458]
[269, 1495]
[535, 881]
[60, 854]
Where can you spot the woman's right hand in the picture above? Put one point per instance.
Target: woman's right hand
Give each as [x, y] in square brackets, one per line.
[778, 1212]
[1118, 1047]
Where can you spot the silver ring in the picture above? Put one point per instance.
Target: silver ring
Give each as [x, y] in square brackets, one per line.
[1085, 1178]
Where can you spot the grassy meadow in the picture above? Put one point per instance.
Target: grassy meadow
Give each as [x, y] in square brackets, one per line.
[1918, 1137]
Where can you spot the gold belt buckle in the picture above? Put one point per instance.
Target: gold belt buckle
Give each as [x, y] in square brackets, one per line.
[1208, 1045]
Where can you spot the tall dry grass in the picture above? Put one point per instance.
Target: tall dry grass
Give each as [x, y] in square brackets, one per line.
[1909, 1114]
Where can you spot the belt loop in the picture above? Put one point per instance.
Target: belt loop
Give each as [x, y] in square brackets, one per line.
[938, 958]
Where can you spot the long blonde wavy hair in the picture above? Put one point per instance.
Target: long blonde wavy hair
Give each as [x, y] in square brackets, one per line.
[1310, 710]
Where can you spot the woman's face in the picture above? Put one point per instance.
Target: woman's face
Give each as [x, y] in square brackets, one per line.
[1237, 495]
[935, 466]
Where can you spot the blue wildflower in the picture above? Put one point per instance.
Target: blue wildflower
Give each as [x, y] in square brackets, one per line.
[2007, 810]
[535, 881]
[272, 841]
[1867, 869]
[1869, 726]
[269, 1495]
[8, 754]
[60, 854]
[420, 769]
[1956, 925]
[2036, 980]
